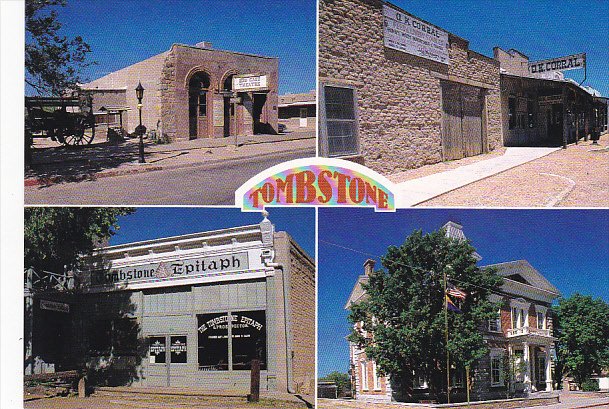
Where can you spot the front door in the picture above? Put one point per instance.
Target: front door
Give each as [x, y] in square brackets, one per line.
[303, 117]
[462, 125]
[555, 124]
[167, 360]
[540, 373]
[259, 114]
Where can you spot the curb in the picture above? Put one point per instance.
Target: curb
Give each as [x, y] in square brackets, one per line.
[105, 174]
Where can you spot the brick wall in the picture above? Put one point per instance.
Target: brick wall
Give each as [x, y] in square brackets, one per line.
[399, 95]
[183, 62]
[302, 308]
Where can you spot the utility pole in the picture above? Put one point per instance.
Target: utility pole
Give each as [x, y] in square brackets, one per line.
[446, 333]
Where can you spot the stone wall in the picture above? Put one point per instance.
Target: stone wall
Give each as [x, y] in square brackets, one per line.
[398, 95]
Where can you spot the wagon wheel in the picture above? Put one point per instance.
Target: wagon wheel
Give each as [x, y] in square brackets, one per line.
[82, 133]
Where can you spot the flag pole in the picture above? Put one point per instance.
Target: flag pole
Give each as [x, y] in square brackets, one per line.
[446, 333]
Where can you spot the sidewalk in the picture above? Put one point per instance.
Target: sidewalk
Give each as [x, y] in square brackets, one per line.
[413, 192]
[57, 164]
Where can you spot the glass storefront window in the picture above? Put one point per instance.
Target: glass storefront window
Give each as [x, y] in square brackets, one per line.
[213, 341]
[248, 339]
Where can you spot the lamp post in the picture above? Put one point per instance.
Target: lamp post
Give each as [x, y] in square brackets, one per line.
[139, 93]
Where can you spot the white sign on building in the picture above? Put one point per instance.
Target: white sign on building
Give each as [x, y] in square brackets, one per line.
[408, 34]
[570, 62]
[249, 83]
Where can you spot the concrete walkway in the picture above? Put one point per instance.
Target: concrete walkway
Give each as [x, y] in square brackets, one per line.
[413, 192]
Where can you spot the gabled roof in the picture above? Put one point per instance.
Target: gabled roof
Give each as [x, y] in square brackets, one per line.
[523, 272]
[358, 291]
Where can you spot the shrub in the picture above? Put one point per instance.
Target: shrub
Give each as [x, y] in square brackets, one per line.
[590, 385]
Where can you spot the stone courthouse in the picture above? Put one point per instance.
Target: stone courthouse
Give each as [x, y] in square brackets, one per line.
[192, 92]
[187, 311]
[397, 92]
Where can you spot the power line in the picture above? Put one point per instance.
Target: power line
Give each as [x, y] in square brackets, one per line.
[410, 266]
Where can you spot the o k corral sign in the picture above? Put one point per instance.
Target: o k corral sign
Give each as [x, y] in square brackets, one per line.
[570, 62]
[408, 34]
[250, 82]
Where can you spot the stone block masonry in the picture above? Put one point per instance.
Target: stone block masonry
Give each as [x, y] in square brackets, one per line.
[399, 96]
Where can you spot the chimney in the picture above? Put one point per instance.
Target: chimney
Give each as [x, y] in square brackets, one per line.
[204, 44]
[369, 266]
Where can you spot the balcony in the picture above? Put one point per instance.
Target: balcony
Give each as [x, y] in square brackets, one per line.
[518, 332]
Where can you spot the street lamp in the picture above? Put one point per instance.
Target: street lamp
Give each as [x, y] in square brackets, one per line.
[139, 93]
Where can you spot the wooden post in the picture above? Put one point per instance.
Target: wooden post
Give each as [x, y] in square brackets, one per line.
[254, 395]
[468, 384]
[82, 388]
[565, 119]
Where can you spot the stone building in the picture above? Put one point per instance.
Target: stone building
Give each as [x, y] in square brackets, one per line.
[192, 92]
[546, 109]
[520, 335]
[187, 311]
[298, 111]
[397, 92]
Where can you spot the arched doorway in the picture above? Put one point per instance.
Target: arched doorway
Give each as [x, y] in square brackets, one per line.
[229, 108]
[198, 101]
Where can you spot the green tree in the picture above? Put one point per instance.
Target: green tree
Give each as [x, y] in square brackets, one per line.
[53, 62]
[404, 310]
[56, 237]
[342, 380]
[581, 325]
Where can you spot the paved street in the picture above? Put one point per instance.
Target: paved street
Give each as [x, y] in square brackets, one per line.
[194, 185]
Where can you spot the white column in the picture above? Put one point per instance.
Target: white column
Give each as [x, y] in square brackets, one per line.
[527, 371]
[549, 382]
[509, 360]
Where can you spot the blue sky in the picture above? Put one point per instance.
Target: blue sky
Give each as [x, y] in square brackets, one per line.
[540, 29]
[123, 32]
[569, 247]
[155, 222]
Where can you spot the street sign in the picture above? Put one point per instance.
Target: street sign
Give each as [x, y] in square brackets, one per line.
[54, 306]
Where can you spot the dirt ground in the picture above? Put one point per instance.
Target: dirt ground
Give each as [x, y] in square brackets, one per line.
[157, 402]
[575, 177]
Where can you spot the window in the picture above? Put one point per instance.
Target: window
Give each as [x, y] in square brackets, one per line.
[496, 368]
[178, 350]
[364, 375]
[340, 133]
[531, 113]
[213, 342]
[376, 378]
[494, 325]
[541, 322]
[157, 351]
[515, 317]
[419, 381]
[512, 112]
[247, 340]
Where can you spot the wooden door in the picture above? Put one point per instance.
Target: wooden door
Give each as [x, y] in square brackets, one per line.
[462, 125]
[452, 139]
[471, 120]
